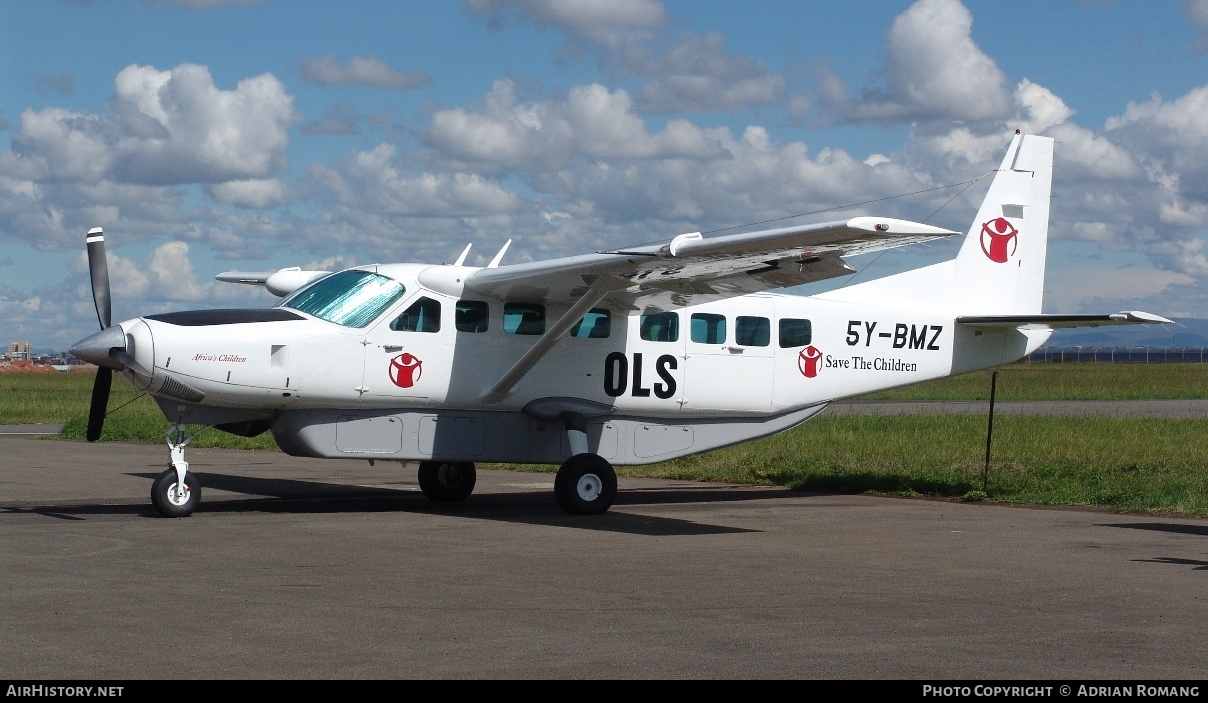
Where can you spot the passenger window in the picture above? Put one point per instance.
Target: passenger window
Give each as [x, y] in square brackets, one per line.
[596, 324]
[753, 331]
[708, 329]
[795, 333]
[660, 327]
[422, 316]
[523, 318]
[471, 316]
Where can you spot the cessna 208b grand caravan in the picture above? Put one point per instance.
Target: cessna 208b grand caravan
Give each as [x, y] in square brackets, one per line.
[630, 356]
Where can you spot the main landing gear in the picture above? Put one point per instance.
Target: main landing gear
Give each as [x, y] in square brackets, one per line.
[176, 492]
[586, 483]
[446, 481]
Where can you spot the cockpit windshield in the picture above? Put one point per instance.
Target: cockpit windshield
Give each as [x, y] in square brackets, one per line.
[349, 298]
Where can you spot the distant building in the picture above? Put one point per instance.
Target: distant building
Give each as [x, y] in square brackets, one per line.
[18, 351]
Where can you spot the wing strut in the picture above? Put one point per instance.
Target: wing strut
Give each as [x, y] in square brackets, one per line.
[600, 286]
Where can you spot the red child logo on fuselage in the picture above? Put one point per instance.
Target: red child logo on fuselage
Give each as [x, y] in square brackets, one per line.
[999, 240]
[405, 370]
[807, 361]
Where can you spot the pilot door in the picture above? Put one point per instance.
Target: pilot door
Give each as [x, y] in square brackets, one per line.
[407, 355]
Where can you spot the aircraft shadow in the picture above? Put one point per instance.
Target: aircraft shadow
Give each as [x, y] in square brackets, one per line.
[521, 507]
[1176, 527]
[1196, 563]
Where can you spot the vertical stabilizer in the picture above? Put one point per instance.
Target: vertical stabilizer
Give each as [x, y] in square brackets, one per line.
[1000, 267]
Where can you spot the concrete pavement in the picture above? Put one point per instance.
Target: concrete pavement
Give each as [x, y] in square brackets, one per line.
[328, 569]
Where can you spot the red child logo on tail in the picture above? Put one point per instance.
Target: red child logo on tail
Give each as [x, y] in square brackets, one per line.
[405, 370]
[807, 361]
[997, 236]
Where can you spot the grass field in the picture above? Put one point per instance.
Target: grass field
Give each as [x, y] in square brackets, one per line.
[1129, 464]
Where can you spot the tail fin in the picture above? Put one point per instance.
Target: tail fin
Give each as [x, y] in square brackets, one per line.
[1000, 267]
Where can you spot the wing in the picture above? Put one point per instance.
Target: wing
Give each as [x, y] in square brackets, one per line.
[692, 269]
[687, 270]
[251, 278]
[1052, 322]
[280, 283]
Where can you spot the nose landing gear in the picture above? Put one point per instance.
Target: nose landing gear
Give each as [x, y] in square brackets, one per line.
[176, 492]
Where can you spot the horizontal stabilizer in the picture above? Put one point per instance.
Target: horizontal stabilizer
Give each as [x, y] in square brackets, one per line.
[1052, 322]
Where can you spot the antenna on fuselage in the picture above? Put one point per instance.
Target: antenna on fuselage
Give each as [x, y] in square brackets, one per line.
[495, 262]
[465, 252]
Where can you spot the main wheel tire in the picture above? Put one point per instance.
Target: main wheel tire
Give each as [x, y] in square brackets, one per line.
[169, 501]
[446, 481]
[586, 485]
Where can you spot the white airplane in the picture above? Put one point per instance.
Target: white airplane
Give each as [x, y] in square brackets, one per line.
[631, 356]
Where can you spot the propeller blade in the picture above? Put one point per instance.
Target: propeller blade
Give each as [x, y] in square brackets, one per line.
[99, 270]
[100, 401]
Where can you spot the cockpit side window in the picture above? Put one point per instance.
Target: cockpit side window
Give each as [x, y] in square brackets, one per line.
[421, 316]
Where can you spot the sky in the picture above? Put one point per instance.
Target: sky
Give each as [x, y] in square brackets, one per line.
[207, 136]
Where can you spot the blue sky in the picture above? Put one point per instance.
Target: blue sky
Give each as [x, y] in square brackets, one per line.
[208, 136]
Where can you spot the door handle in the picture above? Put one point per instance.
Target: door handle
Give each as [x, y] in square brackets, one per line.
[391, 348]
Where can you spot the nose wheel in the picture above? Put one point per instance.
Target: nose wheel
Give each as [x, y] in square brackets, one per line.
[173, 500]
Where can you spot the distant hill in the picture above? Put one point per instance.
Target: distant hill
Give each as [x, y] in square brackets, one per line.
[1185, 332]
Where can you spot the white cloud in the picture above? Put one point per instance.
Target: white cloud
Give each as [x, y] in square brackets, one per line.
[1037, 108]
[1197, 13]
[361, 70]
[590, 122]
[933, 71]
[56, 216]
[370, 181]
[162, 127]
[258, 193]
[606, 23]
[1088, 286]
[699, 76]
[1171, 136]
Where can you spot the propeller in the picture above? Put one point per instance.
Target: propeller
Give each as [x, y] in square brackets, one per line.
[103, 347]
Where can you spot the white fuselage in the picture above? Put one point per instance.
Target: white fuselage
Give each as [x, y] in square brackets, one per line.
[754, 355]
